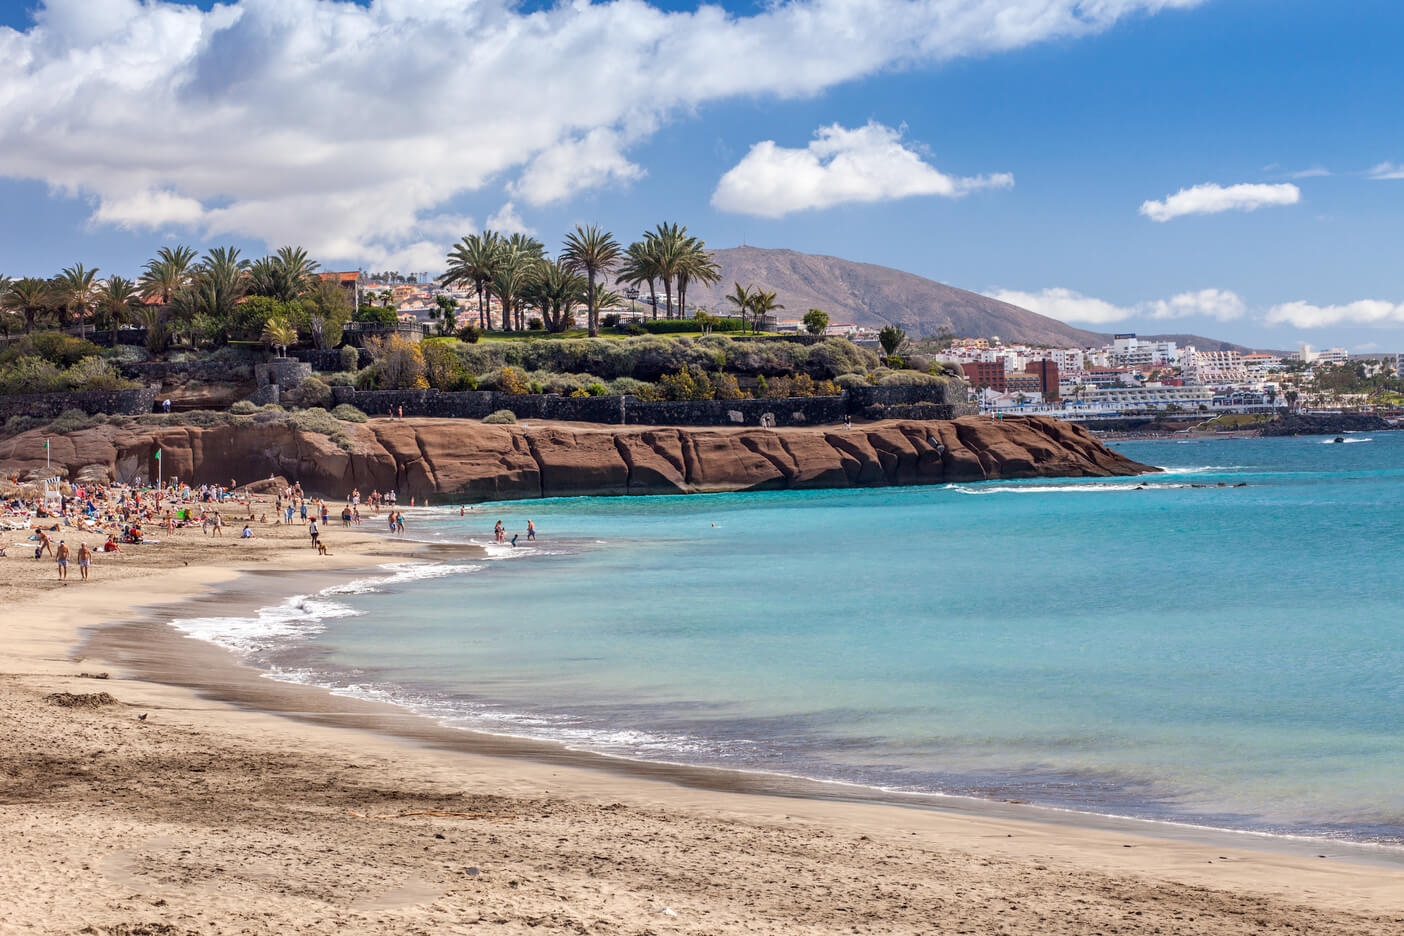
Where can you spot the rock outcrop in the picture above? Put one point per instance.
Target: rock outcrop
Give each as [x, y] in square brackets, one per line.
[471, 461]
[1325, 424]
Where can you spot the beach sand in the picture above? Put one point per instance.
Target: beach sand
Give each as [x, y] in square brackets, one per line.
[211, 815]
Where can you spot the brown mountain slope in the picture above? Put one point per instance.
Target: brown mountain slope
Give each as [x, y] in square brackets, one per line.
[867, 294]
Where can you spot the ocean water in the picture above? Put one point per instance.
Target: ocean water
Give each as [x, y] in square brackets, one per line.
[1162, 647]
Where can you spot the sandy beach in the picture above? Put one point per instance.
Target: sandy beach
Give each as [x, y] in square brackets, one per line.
[147, 786]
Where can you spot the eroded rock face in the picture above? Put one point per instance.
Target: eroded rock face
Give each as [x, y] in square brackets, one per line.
[471, 461]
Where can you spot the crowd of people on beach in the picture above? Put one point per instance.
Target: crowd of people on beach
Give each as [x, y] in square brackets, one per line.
[53, 512]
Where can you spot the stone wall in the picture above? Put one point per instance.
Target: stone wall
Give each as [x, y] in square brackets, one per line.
[791, 411]
[49, 405]
[475, 404]
[330, 360]
[920, 411]
[285, 372]
[862, 397]
[628, 410]
[207, 371]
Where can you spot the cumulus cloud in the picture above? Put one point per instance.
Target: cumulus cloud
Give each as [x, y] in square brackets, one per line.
[1386, 170]
[865, 164]
[1364, 312]
[1069, 306]
[508, 221]
[346, 127]
[1210, 198]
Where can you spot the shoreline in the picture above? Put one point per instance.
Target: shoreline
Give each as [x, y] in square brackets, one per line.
[44, 658]
[220, 673]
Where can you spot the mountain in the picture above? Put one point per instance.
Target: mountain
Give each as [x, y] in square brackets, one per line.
[867, 294]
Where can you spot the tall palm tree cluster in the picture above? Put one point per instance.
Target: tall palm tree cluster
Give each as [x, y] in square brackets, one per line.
[179, 293]
[517, 273]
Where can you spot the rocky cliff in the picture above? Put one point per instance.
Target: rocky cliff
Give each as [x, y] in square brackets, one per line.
[471, 461]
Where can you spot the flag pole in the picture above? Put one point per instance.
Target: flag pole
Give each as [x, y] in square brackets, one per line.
[46, 454]
[158, 469]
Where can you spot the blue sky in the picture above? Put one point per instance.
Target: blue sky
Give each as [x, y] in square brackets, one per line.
[1016, 165]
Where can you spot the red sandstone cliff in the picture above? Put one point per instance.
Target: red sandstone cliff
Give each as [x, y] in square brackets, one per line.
[473, 461]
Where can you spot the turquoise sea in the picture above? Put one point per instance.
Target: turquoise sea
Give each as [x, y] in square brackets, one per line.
[1162, 648]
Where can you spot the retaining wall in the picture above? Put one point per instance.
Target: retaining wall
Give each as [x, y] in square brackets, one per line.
[628, 410]
[48, 405]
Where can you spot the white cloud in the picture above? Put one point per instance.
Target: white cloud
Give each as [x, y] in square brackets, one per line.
[1315, 172]
[506, 220]
[865, 164]
[1065, 305]
[1220, 304]
[1364, 312]
[1210, 198]
[1068, 306]
[1386, 170]
[348, 128]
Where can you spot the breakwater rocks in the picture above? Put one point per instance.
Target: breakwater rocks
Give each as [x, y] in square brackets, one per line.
[1325, 424]
[472, 461]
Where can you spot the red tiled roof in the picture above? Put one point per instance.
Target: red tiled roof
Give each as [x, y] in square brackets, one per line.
[341, 277]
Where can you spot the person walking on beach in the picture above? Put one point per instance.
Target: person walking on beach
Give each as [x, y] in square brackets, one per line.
[312, 531]
[531, 532]
[61, 557]
[399, 523]
[85, 558]
[44, 544]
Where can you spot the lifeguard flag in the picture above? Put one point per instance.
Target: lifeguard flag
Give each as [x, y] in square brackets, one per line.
[158, 454]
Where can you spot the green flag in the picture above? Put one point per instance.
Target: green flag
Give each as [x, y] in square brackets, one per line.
[158, 454]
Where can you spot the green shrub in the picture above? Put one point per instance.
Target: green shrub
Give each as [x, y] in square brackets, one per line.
[596, 389]
[17, 424]
[31, 374]
[337, 379]
[310, 392]
[908, 378]
[535, 324]
[849, 381]
[687, 383]
[610, 320]
[513, 381]
[470, 334]
[678, 326]
[321, 422]
[501, 417]
[63, 350]
[204, 419]
[348, 413]
[350, 358]
[72, 420]
[243, 408]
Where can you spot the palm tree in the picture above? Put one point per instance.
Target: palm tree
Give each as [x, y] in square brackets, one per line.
[641, 266]
[278, 332]
[593, 252]
[29, 298]
[76, 285]
[473, 260]
[694, 263]
[761, 303]
[557, 289]
[167, 273]
[116, 301]
[284, 276]
[741, 297]
[668, 249]
[528, 252]
[509, 282]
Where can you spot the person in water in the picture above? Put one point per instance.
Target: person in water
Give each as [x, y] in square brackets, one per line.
[514, 538]
[531, 532]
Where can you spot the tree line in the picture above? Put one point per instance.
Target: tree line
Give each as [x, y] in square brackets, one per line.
[213, 299]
